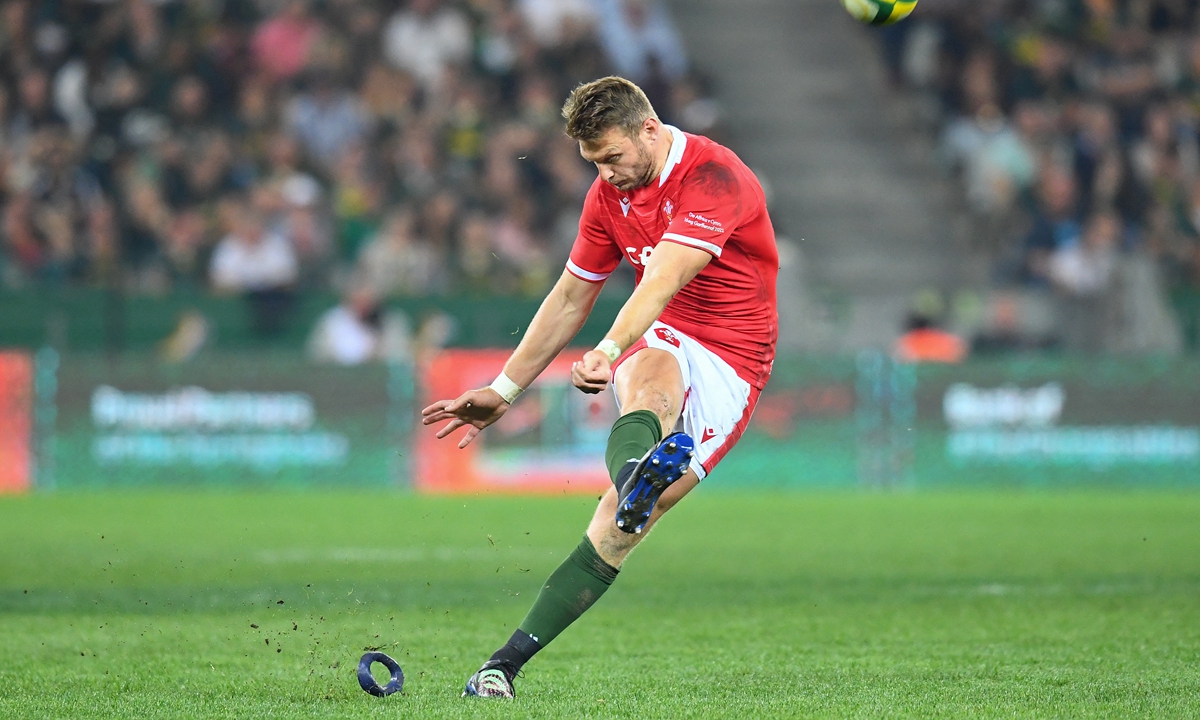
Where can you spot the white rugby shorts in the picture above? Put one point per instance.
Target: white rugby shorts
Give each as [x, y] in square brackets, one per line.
[717, 404]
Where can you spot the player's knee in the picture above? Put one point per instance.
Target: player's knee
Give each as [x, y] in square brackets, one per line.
[657, 401]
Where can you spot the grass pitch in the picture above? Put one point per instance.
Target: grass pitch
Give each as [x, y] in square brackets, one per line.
[259, 605]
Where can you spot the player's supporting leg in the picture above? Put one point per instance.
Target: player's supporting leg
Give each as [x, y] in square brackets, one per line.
[650, 389]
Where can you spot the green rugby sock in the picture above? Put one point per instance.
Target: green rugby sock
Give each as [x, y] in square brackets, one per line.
[569, 591]
[632, 435]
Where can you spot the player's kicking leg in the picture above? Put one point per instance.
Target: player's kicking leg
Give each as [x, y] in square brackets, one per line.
[651, 391]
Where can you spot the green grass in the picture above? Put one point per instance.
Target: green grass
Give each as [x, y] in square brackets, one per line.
[746, 605]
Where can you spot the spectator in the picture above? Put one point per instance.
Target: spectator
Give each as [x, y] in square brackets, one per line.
[357, 201]
[1108, 90]
[640, 38]
[388, 95]
[211, 171]
[4, 129]
[426, 37]
[1055, 227]
[116, 94]
[349, 334]
[1103, 170]
[25, 247]
[1176, 245]
[189, 106]
[479, 267]
[551, 21]
[250, 258]
[327, 120]
[996, 165]
[501, 40]
[259, 265]
[282, 44]
[302, 222]
[398, 263]
[146, 228]
[695, 111]
[34, 111]
[358, 331]
[1086, 268]
[60, 193]
[1083, 274]
[256, 116]
[924, 342]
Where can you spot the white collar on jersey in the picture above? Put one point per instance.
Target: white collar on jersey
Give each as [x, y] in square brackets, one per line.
[678, 145]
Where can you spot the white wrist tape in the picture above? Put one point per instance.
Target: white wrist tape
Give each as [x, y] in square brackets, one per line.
[506, 388]
[610, 348]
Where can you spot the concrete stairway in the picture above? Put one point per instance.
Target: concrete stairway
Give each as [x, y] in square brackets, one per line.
[854, 187]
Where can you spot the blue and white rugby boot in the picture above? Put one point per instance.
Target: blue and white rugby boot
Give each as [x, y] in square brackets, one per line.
[654, 473]
[492, 681]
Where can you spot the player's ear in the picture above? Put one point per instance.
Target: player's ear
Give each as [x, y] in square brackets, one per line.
[651, 127]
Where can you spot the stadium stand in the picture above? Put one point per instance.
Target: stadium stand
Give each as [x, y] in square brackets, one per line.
[276, 148]
[1071, 128]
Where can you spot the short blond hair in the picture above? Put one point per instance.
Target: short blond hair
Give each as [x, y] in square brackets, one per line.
[594, 108]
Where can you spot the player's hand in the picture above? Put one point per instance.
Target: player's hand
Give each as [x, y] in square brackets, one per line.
[591, 374]
[475, 408]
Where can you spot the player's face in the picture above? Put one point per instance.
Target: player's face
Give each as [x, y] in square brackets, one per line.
[622, 161]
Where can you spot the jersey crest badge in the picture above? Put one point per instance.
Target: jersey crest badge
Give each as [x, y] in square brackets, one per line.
[625, 207]
[669, 209]
[666, 336]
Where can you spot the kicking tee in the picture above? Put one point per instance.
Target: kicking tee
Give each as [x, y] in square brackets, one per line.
[708, 199]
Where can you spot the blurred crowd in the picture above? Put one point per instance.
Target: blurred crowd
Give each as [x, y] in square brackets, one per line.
[1073, 128]
[378, 148]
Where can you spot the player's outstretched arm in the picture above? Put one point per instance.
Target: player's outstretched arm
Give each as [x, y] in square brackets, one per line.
[555, 324]
[671, 266]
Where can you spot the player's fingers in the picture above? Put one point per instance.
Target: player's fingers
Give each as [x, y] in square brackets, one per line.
[470, 435]
[591, 385]
[595, 377]
[435, 407]
[435, 419]
[595, 364]
[582, 380]
[450, 427]
[599, 381]
[457, 405]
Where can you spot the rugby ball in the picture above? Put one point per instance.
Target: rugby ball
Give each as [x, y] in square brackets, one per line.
[879, 12]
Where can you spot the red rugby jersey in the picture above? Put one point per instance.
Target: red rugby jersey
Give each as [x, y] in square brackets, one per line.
[705, 198]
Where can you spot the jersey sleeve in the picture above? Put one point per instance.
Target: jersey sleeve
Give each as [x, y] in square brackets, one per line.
[711, 206]
[594, 255]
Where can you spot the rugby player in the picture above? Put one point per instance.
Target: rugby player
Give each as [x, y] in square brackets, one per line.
[688, 354]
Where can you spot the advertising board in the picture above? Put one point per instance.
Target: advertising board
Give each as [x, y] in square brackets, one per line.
[1046, 422]
[240, 420]
[16, 421]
